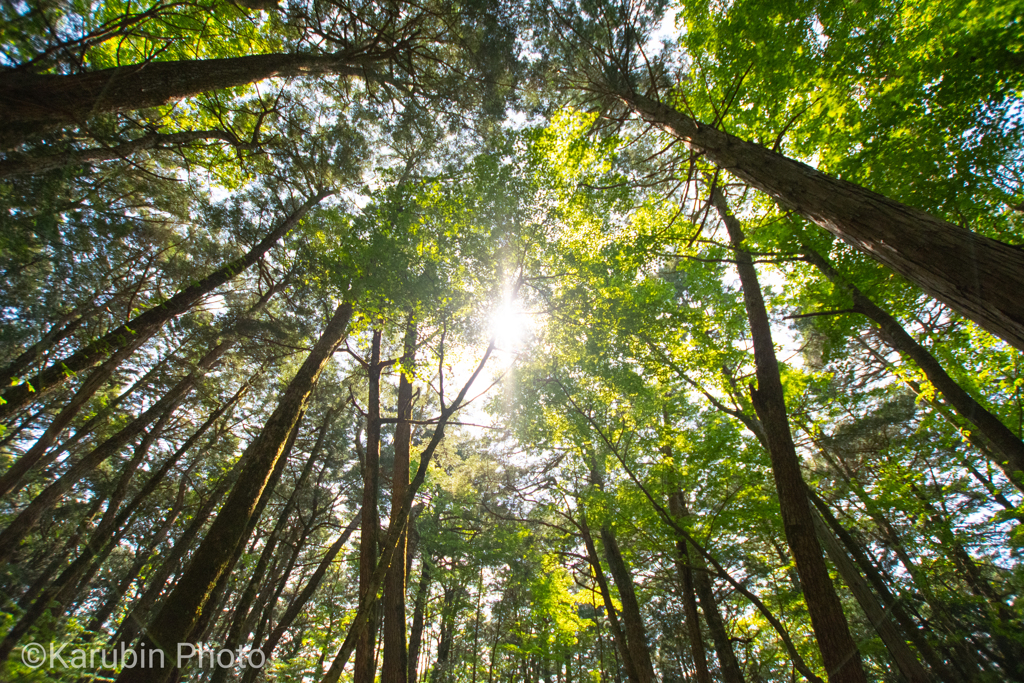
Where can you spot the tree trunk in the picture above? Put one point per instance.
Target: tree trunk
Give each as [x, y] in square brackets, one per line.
[238, 631]
[636, 634]
[1004, 446]
[369, 528]
[144, 325]
[976, 276]
[416, 629]
[838, 650]
[684, 567]
[41, 504]
[397, 528]
[621, 643]
[33, 103]
[267, 648]
[179, 616]
[395, 666]
[893, 640]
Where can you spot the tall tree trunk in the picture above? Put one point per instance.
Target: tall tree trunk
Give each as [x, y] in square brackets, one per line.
[894, 641]
[684, 567]
[32, 103]
[395, 666]
[369, 528]
[138, 617]
[267, 648]
[397, 528]
[621, 644]
[42, 503]
[180, 614]
[144, 325]
[636, 634]
[416, 629]
[838, 650]
[238, 631]
[1005, 447]
[976, 276]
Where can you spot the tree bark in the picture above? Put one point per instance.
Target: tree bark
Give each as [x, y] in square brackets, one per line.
[838, 650]
[636, 634]
[395, 666]
[370, 526]
[267, 648]
[893, 640]
[145, 324]
[976, 276]
[32, 103]
[179, 616]
[621, 644]
[416, 629]
[390, 545]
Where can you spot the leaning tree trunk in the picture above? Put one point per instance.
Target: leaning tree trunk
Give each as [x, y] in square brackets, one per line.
[1005, 447]
[12, 536]
[146, 324]
[976, 276]
[838, 650]
[288, 618]
[184, 608]
[636, 634]
[32, 103]
[621, 644]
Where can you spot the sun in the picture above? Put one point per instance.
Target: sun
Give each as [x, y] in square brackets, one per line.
[510, 326]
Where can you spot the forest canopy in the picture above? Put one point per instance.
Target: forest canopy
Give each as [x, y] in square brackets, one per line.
[559, 341]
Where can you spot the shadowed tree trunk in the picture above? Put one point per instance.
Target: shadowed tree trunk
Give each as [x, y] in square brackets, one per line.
[42, 503]
[184, 608]
[395, 664]
[636, 634]
[976, 276]
[1002, 445]
[838, 650]
[618, 635]
[370, 525]
[32, 103]
[416, 629]
[267, 648]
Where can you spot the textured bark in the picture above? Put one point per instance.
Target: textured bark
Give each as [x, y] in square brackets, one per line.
[838, 650]
[32, 103]
[395, 666]
[238, 631]
[145, 324]
[976, 276]
[366, 645]
[13, 477]
[33, 165]
[180, 615]
[636, 634]
[139, 616]
[890, 603]
[684, 565]
[1005, 447]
